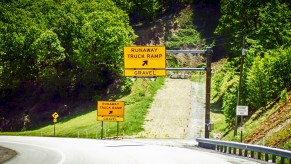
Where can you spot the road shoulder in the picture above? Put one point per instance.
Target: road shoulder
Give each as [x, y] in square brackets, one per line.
[6, 154]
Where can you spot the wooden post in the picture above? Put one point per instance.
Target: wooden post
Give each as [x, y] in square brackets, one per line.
[239, 87]
[208, 87]
[101, 129]
[117, 128]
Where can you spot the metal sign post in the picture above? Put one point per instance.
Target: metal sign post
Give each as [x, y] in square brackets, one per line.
[117, 129]
[55, 120]
[102, 130]
[54, 129]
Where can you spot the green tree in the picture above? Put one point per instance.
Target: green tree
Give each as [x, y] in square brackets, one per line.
[63, 42]
[267, 22]
[258, 84]
[50, 56]
[17, 31]
[229, 104]
[280, 68]
[274, 25]
[60, 50]
[268, 77]
[98, 48]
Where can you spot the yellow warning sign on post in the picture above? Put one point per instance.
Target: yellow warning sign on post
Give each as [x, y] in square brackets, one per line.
[144, 57]
[55, 115]
[110, 110]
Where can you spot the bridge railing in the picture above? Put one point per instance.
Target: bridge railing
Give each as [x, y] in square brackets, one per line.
[268, 154]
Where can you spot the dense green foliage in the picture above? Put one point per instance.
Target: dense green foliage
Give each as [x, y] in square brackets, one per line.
[268, 77]
[264, 81]
[61, 49]
[265, 24]
[266, 73]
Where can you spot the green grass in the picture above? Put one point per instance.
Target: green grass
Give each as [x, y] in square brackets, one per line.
[86, 125]
[281, 138]
[250, 125]
[219, 124]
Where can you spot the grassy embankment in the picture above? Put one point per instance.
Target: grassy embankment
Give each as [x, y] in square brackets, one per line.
[265, 127]
[87, 126]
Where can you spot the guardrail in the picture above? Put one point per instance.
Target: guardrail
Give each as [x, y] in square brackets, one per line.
[247, 150]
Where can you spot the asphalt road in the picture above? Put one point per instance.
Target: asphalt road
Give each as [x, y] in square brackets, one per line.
[47, 150]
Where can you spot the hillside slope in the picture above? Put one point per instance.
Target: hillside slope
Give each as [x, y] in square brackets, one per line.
[274, 128]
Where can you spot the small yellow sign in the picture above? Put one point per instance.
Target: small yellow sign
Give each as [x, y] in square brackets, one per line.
[108, 118]
[110, 110]
[55, 120]
[148, 73]
[55, 115]
[145, 57]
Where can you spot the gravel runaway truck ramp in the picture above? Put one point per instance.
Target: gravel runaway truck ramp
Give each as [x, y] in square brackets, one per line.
[177, 111]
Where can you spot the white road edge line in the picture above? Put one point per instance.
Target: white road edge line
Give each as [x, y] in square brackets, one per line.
[63, 157]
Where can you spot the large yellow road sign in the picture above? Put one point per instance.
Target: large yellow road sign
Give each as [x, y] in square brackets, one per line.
[110, 110]
[144, 73]
[144, 57]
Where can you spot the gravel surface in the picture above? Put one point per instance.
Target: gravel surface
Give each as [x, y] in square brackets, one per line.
[177, 111]
[196, 126]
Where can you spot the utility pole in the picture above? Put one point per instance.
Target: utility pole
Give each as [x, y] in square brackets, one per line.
[239, 89]
[208, 87]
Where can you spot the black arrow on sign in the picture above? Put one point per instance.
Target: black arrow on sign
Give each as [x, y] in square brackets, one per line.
[110, 112]
[145, 62]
